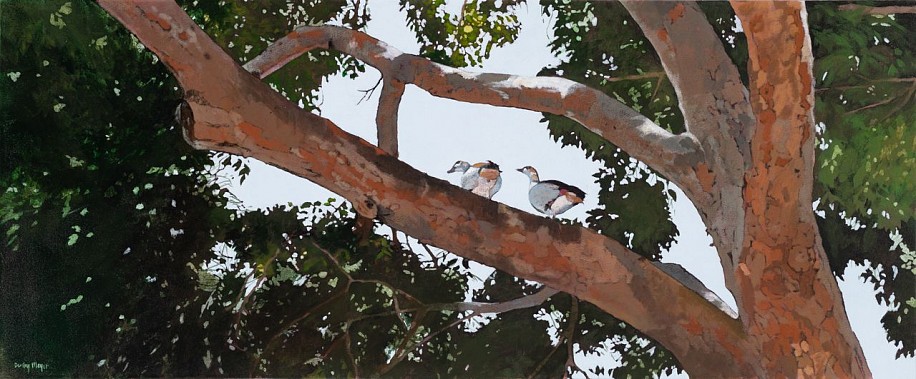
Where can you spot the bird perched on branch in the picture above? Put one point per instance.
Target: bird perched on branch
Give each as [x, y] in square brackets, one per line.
[551, 197]
[480, 178]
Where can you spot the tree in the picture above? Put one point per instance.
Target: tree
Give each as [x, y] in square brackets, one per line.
[742, 148]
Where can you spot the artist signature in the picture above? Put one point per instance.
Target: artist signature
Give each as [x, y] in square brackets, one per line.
[28, 367]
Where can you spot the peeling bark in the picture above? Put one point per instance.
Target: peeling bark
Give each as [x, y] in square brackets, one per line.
[672, 155]
[747, 166]
[791, 305]
[236, 113]
[714, 103]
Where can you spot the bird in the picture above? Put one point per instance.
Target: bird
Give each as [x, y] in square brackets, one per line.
[551, 197]
[481, 178]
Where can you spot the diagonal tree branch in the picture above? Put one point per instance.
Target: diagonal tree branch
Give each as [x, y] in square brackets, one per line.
[672, 155]
[716, 109]
[510, 305]
[710, 93]
[227, 109]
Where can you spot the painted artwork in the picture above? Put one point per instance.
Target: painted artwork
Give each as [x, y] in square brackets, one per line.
[457, 188]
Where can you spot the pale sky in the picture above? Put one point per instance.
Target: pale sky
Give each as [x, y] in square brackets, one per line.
[435, 132]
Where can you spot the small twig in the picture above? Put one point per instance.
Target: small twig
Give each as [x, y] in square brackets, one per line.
[869, 83]
[394, 289]
[647, 75]
[900, 9]
[350, 352]
[305, 315]
[481, 308]
[367, 93]
[869, 106]
[571, 365]
[335, 261]
[449, 326]
[394, 238]
[432, 257]
[242, 299]
[399, 353]
[461, 15]
[658, 84]
[901, 104]
[544, 361]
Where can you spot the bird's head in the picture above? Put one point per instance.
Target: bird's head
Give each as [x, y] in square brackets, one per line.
[530, 172]
[459, 166]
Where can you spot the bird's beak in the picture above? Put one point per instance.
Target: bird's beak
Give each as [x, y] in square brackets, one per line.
[451, 170]
[521, 170]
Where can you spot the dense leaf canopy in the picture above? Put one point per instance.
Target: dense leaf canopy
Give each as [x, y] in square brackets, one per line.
[123, 253]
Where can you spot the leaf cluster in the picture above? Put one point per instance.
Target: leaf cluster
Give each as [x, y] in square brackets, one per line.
[466, 38]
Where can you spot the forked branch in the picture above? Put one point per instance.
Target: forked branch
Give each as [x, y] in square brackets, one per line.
[228, 109]
[710, 93]
[672, 155]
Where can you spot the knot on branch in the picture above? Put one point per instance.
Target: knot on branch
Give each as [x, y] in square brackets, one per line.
[366, 208]
[184, 116]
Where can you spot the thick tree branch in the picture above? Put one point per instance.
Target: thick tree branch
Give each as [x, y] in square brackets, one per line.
[672, 155]
[710, 93]
[227, 109]
[716, 109]
[901, 9]
[685, 277]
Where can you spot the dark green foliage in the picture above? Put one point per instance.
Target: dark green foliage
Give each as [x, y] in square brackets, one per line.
[92, 167]
[865, 72]
[865, 102]
[246, 28]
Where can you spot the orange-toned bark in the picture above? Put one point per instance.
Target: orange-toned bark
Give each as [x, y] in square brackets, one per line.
[228, 109]
[791, 307]
[747, 164]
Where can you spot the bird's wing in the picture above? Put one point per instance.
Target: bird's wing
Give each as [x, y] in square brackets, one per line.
[568, 189]
[469, 178]
[541, 195]
[488, 173]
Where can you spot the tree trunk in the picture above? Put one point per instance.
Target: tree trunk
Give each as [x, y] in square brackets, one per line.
[791, 306]
[746, 162]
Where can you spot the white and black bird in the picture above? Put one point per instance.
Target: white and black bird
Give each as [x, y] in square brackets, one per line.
[481, 178]
[551, 197]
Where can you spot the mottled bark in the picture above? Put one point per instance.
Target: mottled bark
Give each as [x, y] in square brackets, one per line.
[672, 155]
[791, 305]
[714, 103]
[747, 163]
[227, 109]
